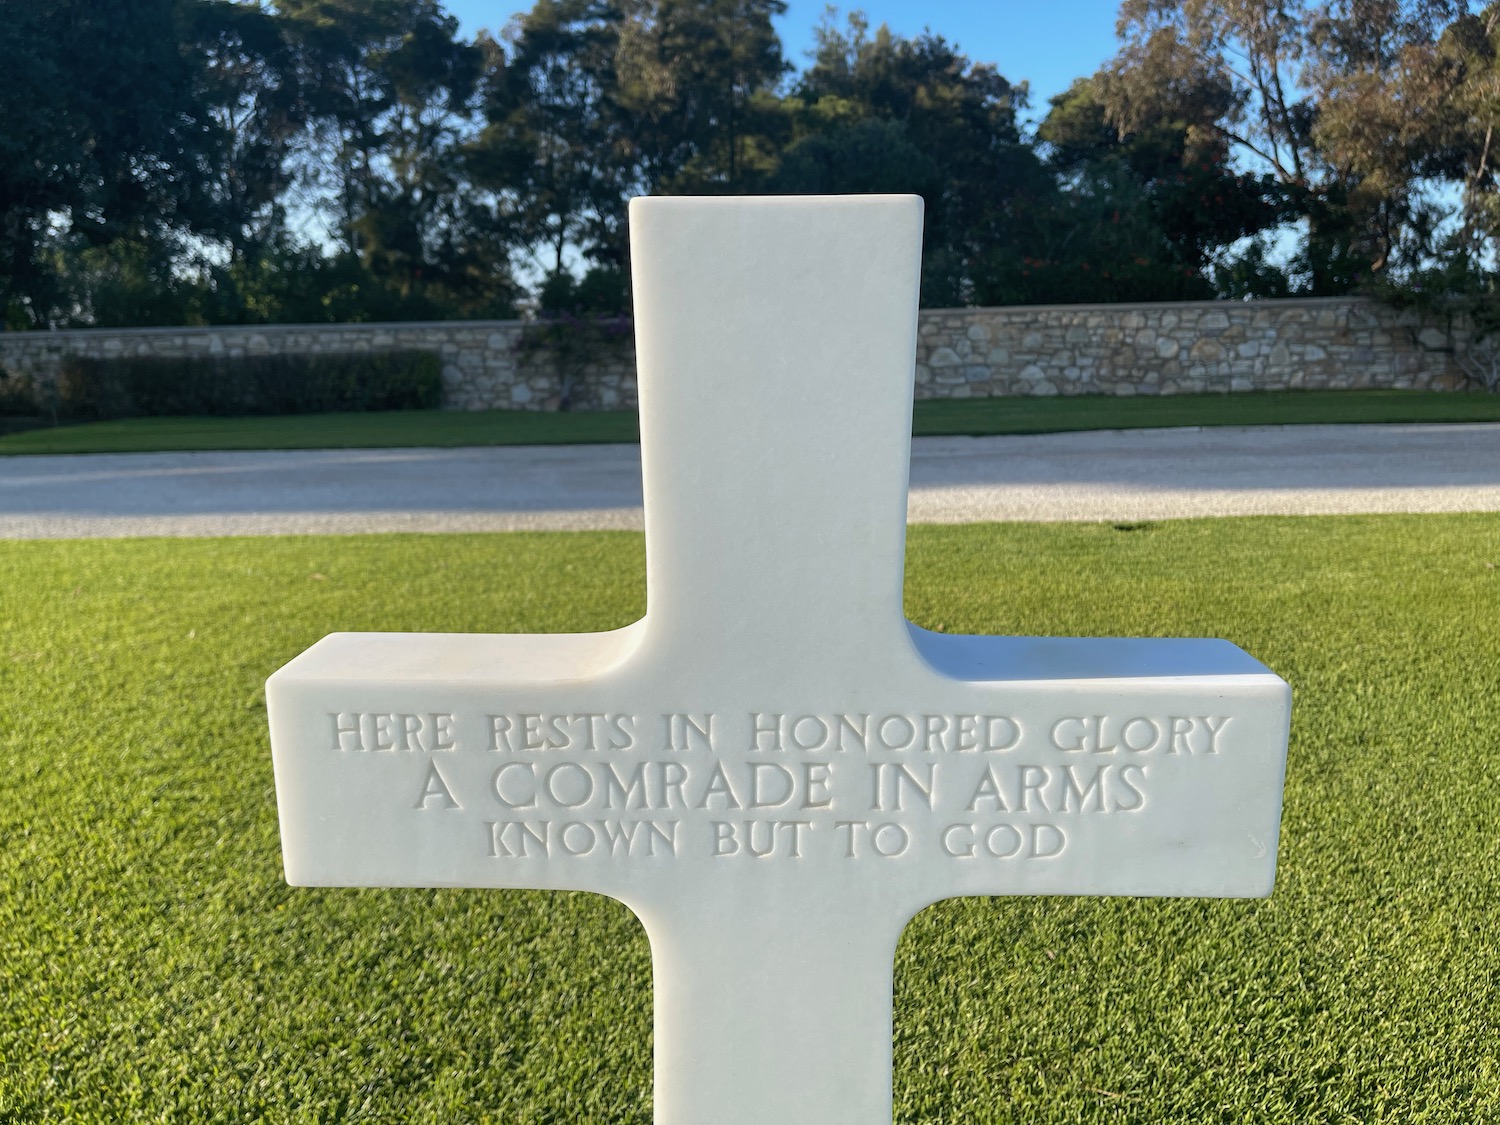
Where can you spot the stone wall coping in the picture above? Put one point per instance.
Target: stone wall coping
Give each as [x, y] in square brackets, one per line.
[1168, 306]
[407, 325]
[274, 329]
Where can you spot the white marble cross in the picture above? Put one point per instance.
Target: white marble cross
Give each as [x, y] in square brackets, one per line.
[773, 768]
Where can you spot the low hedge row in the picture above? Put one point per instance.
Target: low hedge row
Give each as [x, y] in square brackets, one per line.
[17, 395]
[130, 387]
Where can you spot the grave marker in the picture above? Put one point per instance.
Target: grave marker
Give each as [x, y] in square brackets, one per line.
[772, 768]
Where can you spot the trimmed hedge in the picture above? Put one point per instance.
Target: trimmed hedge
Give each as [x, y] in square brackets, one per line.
[131, 387]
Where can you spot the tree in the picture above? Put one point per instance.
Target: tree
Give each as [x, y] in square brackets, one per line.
[247, 82]
[867, 155]
[1370, 69]
[1434, 113]
[593, 101]
[1257, 76]
[548, 149]
[948, 132]
[102, 137]
[694, 83]
[1469, 51]
[1174, 202]
[420, 229]
[391, 87]
[1224, 69]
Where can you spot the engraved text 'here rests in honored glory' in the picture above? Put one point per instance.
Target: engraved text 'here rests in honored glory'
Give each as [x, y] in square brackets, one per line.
[773, 768]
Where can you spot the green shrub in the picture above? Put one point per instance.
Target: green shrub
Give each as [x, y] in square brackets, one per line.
[17, 395]
[131, 387]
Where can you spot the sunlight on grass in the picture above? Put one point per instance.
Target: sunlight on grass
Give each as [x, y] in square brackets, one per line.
[444, 428]
[154, 966]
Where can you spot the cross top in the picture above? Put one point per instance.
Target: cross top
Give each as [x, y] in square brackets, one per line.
[776, 344]
[772, 768]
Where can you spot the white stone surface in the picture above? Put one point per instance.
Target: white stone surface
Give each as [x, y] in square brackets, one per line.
[772, 768]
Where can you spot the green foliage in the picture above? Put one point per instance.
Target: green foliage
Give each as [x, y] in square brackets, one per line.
[581, 324]
[127, 283]
[1250, 274]
[392, 88]
[690, 75]
[101, 134]
[597, 101]
[166, 135]
[249, 82]
[1171, 197]
[602, 292]
[286, 283]
[1353, 109]
[947, 130]
[135, 284]
[17, 394]
[208, 161]
[868, 155]
[389, 81]
[155, 966]
[547, 139]
[225, 385]
[1099, 241]
[1437, 116]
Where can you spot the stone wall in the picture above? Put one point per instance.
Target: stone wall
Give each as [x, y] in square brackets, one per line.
[961, 353]
[484, 364]
[1324, 343]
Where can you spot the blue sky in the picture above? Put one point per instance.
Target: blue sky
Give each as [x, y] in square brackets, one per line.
[1045, 42]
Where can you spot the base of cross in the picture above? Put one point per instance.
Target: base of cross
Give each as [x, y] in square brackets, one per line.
[773, 768]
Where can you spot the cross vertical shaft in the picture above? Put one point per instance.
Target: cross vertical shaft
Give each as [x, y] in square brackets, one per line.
[745, 318]
[758, 1020]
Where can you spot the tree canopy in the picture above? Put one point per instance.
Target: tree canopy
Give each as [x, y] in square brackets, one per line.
[202, 161]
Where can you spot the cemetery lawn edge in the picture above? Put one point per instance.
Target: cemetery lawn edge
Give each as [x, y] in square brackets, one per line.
[975, 417]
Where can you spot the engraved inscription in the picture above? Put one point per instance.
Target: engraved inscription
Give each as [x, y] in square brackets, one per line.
[583, 731]
[522, 839]
[1141, 734]
[361, 732]
[783, 785]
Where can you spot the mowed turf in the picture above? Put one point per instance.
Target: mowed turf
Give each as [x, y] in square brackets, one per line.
[978, 416]
[153, 966]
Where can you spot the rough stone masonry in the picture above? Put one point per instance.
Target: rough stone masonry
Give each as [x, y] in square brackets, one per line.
[1144, 349]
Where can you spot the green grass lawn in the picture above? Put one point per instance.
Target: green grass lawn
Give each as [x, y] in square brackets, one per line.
[971, 416]
[153, 966]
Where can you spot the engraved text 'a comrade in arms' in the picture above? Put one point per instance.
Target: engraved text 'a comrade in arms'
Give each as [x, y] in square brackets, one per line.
[973, 787]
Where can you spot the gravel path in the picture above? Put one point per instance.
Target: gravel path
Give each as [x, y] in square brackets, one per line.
[1108, 475]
